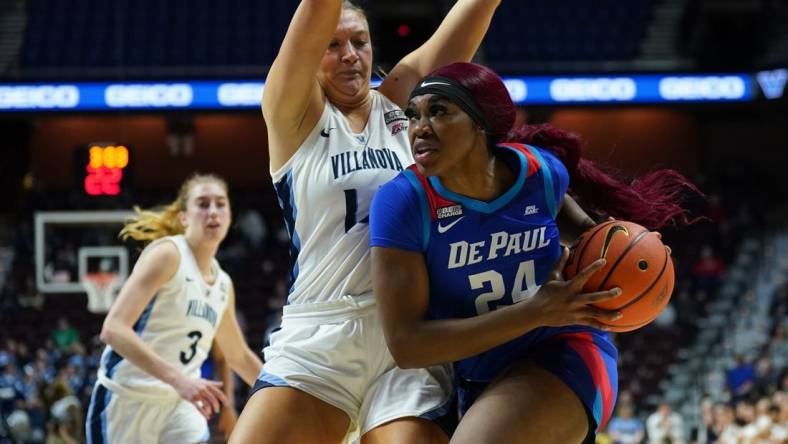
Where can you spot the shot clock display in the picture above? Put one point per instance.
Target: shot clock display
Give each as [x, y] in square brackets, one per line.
[103, 168]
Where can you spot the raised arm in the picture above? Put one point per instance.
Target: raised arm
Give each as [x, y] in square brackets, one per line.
[293, 101]
[456, 40]
[401, 286]
[155, 267]
[237, 352]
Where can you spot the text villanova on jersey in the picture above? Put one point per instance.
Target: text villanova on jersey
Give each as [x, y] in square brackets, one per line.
[370, 158]
[202, 310]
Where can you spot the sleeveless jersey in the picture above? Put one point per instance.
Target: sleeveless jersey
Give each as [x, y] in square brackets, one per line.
[325, 191]
[179, 324]
[479, 255]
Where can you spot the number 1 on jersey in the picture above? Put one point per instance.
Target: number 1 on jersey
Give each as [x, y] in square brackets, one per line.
[351, 206]
[523, 288]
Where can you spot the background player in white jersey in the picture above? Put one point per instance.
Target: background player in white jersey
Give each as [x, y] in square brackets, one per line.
[160, 329]
[332, 143]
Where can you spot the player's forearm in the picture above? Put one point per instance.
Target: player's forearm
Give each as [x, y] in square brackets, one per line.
[572, 219]
[126, 343]
[248, 366]
[433, 342]
[225, 375]
[459, 35]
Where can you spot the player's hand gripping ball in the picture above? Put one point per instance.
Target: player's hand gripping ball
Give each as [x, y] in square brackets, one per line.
[637, 262]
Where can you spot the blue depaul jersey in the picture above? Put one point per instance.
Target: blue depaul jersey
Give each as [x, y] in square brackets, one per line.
[480, 255]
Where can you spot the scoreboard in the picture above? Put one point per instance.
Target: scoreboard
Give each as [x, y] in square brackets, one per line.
[103, 169]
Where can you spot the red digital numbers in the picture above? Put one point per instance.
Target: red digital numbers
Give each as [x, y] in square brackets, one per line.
[105, 170]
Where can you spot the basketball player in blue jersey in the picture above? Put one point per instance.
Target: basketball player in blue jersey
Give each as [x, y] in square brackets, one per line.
[160, 329]
[464, 252]
[328, 376]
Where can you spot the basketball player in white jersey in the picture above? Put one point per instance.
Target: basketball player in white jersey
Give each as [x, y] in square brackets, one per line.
[160, 329]
[332, 142]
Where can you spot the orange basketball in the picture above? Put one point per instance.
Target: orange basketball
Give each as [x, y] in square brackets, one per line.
[637, 262]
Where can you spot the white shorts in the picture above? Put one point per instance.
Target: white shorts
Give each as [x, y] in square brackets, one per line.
[336, 352]
[118, 419]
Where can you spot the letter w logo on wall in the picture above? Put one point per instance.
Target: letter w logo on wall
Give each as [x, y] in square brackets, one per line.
[772, 82]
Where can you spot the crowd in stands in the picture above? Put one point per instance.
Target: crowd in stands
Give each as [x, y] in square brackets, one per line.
[747, 401]
[45, 387]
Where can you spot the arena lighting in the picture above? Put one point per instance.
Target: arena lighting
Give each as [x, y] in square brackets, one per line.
[525, 90]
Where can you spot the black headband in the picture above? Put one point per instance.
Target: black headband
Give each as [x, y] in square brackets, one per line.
[450, 89]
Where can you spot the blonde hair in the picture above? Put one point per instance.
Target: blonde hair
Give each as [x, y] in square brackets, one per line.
[154, 223]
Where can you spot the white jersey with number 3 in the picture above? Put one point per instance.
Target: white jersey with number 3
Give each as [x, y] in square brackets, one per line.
[325, 190]
[179, 324]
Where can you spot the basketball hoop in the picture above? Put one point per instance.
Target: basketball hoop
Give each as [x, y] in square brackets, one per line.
[102, 287]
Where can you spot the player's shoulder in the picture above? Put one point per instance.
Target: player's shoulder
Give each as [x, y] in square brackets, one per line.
[400, 184]
[549, 156]
[161, 257]
[535, 153]
[164, 248]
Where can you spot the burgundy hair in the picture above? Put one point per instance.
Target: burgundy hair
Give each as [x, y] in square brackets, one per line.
[651, 200]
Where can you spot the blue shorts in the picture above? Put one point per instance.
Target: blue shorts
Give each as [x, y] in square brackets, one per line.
[584, 361]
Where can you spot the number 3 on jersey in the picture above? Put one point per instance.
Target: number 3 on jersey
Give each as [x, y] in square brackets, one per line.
[188, 355]
[524, 286]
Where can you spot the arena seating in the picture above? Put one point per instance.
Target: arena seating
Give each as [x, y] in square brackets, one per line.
[148, 33]
[572, 30]
[98, 38]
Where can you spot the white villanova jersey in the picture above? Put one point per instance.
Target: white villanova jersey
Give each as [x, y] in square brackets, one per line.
[325, 191]
[178, 324]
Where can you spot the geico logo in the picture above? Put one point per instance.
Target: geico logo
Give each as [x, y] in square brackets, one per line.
[159, 95]
[518, 89]
[45, 96]
[233, 94]
[693, 88]
[600, 90]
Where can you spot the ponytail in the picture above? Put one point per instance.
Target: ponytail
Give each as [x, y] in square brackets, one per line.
[151, 224]
[651, 200]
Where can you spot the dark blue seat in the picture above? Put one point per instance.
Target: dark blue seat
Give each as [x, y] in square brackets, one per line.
[153, 33]
[566, 30]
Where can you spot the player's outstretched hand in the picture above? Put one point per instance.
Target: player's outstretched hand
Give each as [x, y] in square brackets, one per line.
[560, 303]
[205, 394]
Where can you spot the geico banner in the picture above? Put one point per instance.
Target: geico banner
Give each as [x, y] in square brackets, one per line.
[176, 95]
[604, 89]
[703, 88]
[39, 97]
[524, 90]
